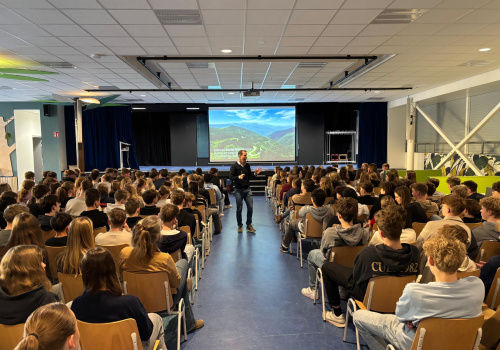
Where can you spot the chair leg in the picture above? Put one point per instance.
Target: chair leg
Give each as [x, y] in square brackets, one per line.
[197, 269]
[318, 276]
[300, 254]
[323, 302]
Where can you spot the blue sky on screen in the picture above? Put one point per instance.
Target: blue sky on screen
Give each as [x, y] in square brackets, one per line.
[271, 116]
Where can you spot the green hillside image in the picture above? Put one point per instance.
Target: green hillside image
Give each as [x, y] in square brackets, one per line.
[225, 143]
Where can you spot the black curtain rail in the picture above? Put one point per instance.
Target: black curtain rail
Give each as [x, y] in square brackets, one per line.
[252, 58]
[246, 90]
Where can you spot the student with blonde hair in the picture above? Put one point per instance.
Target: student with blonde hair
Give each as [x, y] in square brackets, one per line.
[80, 239]
[177, 183]
[26, 231]
[50, 327]
[24, 285]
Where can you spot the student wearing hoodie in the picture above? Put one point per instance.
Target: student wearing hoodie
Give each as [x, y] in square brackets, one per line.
[419, 193]
[408, 235]
[121, 197]
[490, 212]
[390, 258]
[173, 239]
[339, 235]
[318, 211]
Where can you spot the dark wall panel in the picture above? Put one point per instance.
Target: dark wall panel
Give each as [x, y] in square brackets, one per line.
[183, 139]
[311, 133]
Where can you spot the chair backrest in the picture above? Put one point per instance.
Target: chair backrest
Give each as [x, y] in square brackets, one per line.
[493, 297]
[328, 199]
[113, 336]
[213, 197]
[177, 255]
[296, 211]
[201, 209]
[376, 190]
[152, 289]
[52, 253]
[474, 225]
[369, 207]
[115, 251]
[10, 336]
[99, 230]
[48, 234]
[72, 286]
[278, 190]
[345, 255]
[312, 227]
[362, 217]
[463, 274]
[487, 250]
[383, 292]
[418, 227]
[448, 334]
[431, 213]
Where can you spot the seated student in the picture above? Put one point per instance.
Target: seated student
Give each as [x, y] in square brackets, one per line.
[219, 198]
[80, 239]
[92, 201]
[77, 205]
[390, 258]
[471, 211]
[163, 176]
[103, 301]
[24, 285]
[431, 189]
[452, 181]
[408, 235]
[490, 212]
[414, 212]
[488, 271]
[144, 256]
[164, 193]
[385, 169]
[296, 188]
[452, 207]
[386, 189]
[9, 214]
[350, 193]
[119, 232]
[344, 234]
[189, 198]
[437, 194]
[39, 191]
[173, 239]
[460, 190]
[366, 191]
[318, 211]
[59, 223]
[105, 198]
[419, 193]
[132, 207]
[121, 197]
[472, 190]
[49, 206]
[184, 218]
[448, 297]
[495, 190]
[150, 198]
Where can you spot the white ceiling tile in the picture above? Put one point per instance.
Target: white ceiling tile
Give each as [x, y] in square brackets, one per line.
[29, 50]
[318, 4]
[311, 16]
[321, 50]
[44, 58]
[460, 29]
[64, 30]
[145, 30]
[90, 16]
[226, 41]
[21, 4]
[354, 16]
[266, 41]
[174, 4]
[81, 41]
[75, 4]
[382, 29]
[222, 30]
[357, 50]
[304, 30]
[117, 41]
[264, 30]
[222, 4]
[10, 17]
[343, 30]
[492, 4]
[366, 4]
[297, 41]
[267, 16]
[404, 40]
[223, 16]
[22, 30]
[76, 58]
[490, 29]
[135, 16]
[453, 4]
[105, 30]
[442, 15]
[333, 41]
[295, 50]
[368, 40]
[44, 16]
[200, 50]
[387, 49]
[275, 4]
[254, 50]
[125, 4]
[480, 16]
[440, 40]
[410, 4]
[145, 41]
[421, 29]
[127, 50]
[101, 50]
[186, 30]
[191, 41]
[56, 50]
[44, 41]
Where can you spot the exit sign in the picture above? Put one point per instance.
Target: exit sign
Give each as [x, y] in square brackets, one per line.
[56, 133]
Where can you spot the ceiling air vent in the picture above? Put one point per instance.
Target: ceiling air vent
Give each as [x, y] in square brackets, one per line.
[296, 99]
[191, 65]
[474, 63]
[108, 87]
[58, 65]
[397, 16]
[188, 17]
[134, 99]
[311, 65]
[375, 98]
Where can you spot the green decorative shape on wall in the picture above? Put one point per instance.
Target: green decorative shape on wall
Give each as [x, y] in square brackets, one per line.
[24, 71]
[20, 77]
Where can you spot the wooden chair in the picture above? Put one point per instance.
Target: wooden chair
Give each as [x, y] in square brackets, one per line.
[72, 286]
[447, 334]
[493, 297]
[487, 250]
[120, 335]
[381, 295]
[10, 336]
[177, 255]
[328, 199]
[48, 234]
[197, 255]
[153, 290]
[370, 207]
[52, 253]
[343, 255]
[431, 213]
[376, 190]
[474, 225]
[313, 229]
[115, 251]
[213, 197]
[99, 230]
[417, 227]
[362, 217]
[464, 274]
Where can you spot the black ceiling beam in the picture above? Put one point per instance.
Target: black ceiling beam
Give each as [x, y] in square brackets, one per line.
[244, 90]
[252, 58]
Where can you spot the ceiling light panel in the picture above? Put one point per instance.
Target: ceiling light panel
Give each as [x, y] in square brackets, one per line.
[179, 17]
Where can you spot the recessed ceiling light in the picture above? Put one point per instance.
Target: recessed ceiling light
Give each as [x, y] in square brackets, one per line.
[376, 92]
[485, 49]
[143, 95]
[230, 93]
[226, 51]
[262, 42]
[138, 107]
[192, 107]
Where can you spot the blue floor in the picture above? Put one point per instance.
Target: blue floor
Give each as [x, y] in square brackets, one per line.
[249, 294]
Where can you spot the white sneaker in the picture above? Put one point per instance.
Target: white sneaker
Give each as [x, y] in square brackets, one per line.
[308, 292]
[337, 321]
[221, 215]
[228, 206]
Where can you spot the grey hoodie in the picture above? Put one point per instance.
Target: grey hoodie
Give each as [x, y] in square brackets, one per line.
[428, 206]
[321, 214]
[339, 236]
[487, 232]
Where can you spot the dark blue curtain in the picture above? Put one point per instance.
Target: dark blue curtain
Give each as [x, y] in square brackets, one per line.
[103, 128]
[373, 133]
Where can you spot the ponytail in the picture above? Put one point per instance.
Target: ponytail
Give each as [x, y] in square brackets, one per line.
[144, 238]
[62, 195]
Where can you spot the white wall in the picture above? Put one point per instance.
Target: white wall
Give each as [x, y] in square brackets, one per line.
[27, 125]
[396, 137]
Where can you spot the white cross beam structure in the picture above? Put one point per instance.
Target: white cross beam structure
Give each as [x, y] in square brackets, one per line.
[452, 145]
